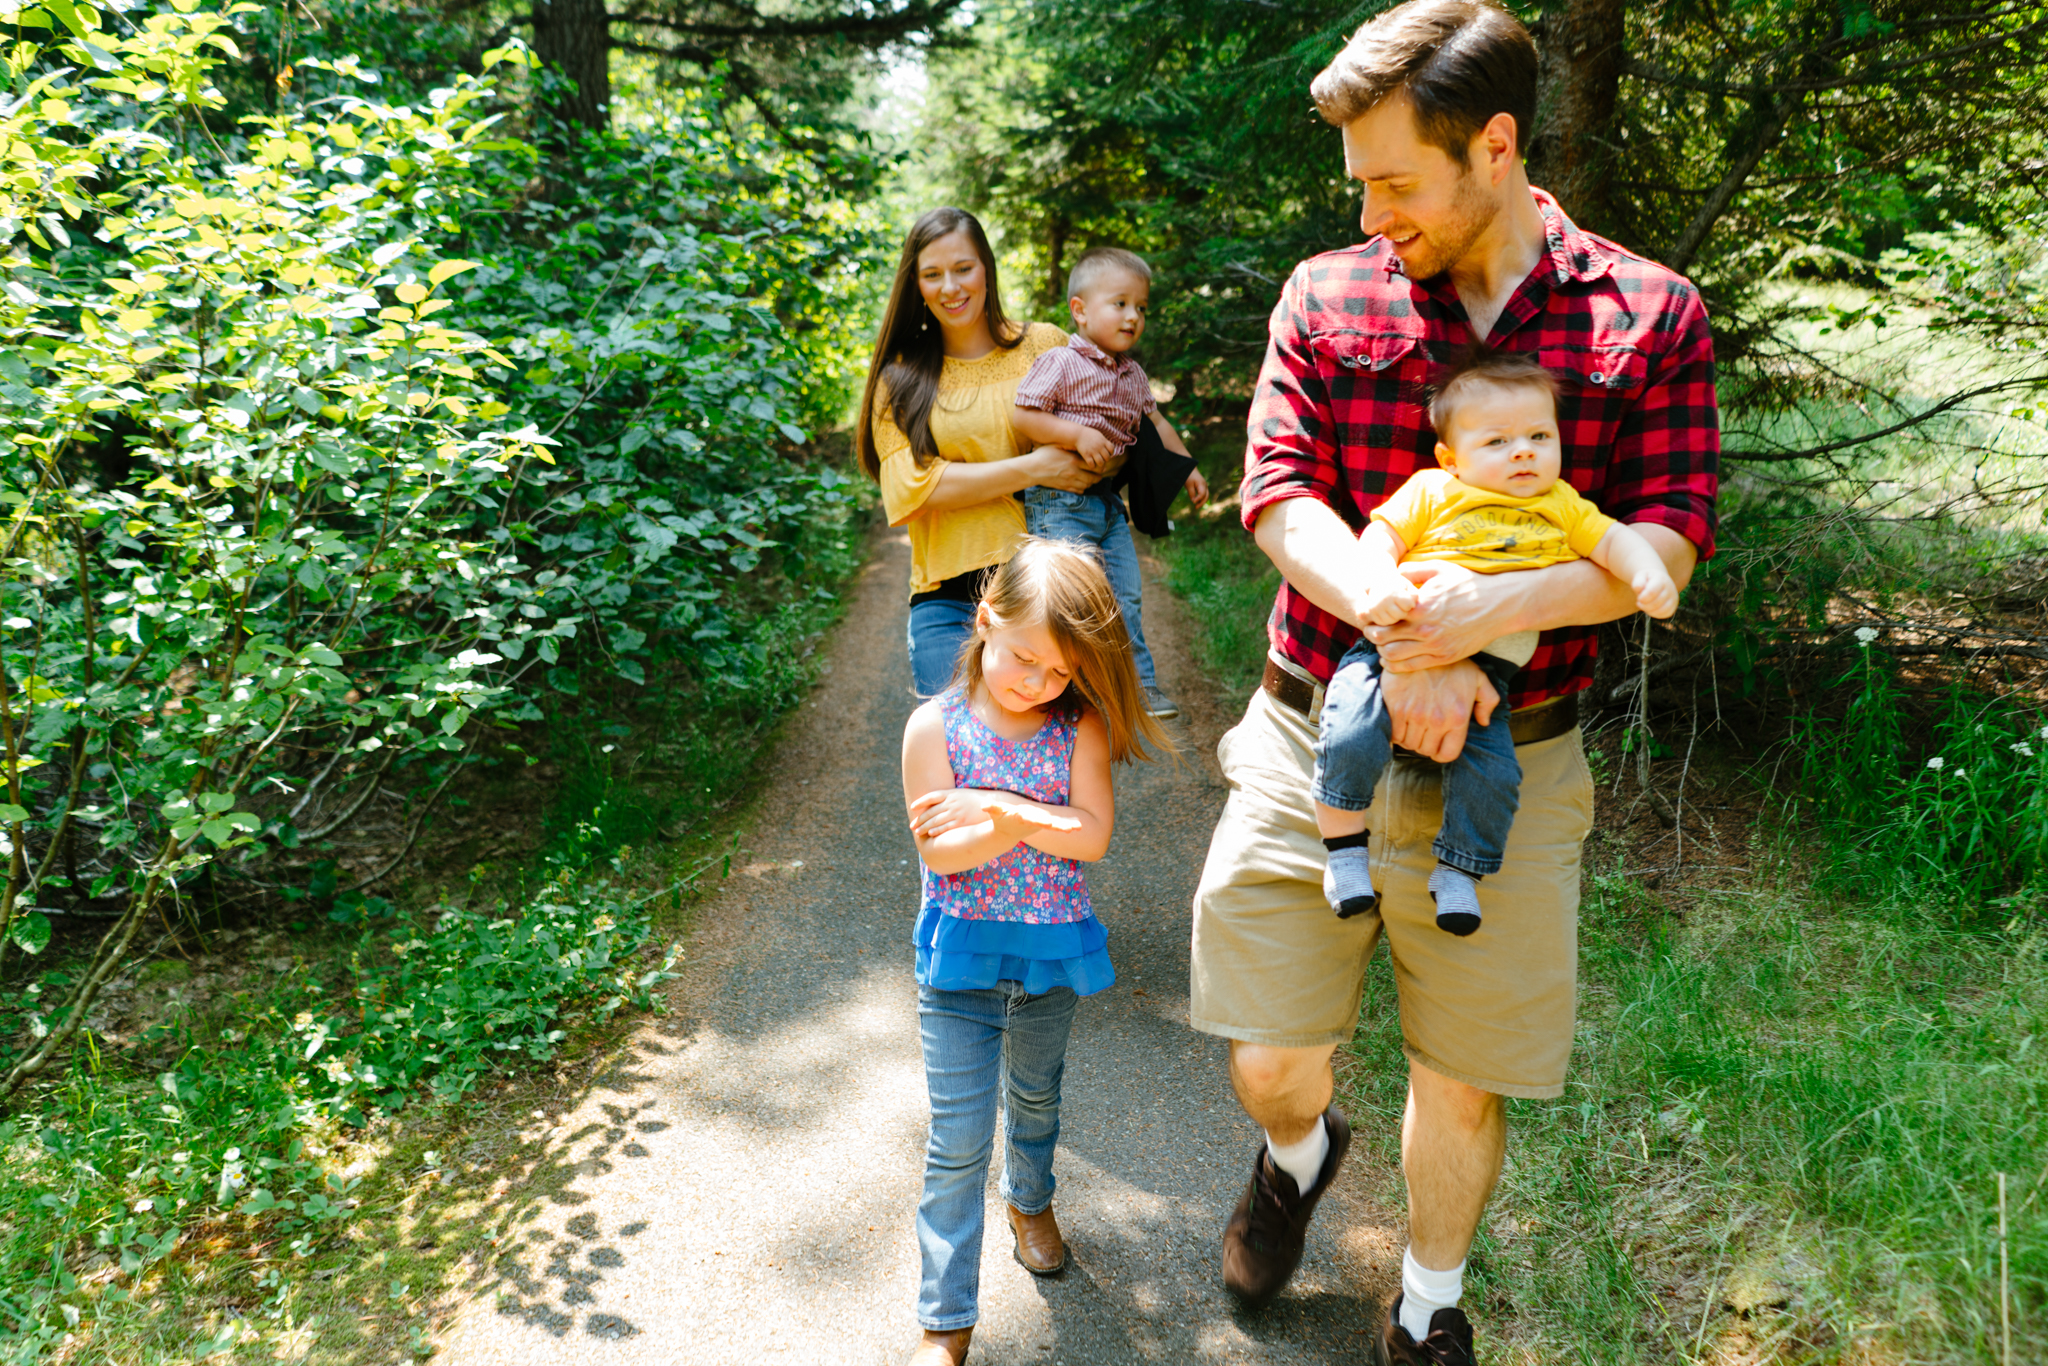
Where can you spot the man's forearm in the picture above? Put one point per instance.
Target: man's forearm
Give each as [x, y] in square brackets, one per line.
[1581, 593]
[1314, 551]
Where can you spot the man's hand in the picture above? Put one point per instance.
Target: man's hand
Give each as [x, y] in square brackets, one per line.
[1457, 613]
[1432, 708]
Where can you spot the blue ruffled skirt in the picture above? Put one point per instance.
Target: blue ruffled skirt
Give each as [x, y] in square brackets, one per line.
[973, 955]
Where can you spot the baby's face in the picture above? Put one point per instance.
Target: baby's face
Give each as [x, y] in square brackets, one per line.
[1111, 313]
[1504, 441]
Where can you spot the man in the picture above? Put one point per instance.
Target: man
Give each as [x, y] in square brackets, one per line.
[1435, 99]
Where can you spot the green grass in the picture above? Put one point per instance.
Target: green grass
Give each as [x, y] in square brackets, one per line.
[1796, 1108]
[1219, 572]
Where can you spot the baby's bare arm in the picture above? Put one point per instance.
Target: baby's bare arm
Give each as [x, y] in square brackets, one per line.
[1389, 595]
[1632, 559]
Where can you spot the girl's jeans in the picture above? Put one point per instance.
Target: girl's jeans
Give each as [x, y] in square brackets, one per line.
[979, 1047]
[1061, 516]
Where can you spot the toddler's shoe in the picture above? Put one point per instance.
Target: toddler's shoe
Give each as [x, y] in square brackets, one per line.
[1158, 704]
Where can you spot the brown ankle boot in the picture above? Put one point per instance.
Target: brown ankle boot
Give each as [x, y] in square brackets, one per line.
[941, 1349]
[1040, 1249]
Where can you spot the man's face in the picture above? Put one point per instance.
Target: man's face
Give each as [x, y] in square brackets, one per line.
[1430, 206]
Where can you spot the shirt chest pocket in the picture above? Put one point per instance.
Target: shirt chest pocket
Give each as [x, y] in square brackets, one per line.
[1373, 375]
[1597, 388]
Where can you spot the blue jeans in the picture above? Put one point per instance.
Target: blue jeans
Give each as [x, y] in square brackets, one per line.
[1061, 516]
[1482, 786]
[981, 1047]
[938, 629]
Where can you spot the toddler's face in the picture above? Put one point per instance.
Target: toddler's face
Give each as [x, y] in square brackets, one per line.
[1504, 441]
[1111, 313]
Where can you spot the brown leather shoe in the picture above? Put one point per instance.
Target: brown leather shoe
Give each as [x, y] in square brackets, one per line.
[941, 1349]
[1263, 1241]
[1040, 1249]
[1449, 1342]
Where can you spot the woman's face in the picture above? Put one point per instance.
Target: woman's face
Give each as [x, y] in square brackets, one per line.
[954, 283]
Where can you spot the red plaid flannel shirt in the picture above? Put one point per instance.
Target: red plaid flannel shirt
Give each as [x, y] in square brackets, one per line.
[1341, 410]
[1086, 384]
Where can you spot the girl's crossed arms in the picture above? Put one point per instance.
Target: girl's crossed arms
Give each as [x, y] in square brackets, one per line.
[957, 828]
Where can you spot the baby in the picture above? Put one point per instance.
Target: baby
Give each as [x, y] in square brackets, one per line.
[1092, 398]
[1497, 505]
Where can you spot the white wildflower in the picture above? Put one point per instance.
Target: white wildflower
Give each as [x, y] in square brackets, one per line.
[144, 1206]
[304, 1020]
[1937, 763]
[2023, 749]
[1865, 634]
[602, 923]
[336, 1069]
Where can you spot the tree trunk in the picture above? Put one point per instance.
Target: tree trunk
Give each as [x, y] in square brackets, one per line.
[574, 37]
[1578, 82]
[1055, 264]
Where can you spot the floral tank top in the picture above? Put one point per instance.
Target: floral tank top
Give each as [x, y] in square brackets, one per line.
[1025, 886]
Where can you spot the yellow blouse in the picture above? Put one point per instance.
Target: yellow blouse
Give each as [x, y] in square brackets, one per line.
[971, 422]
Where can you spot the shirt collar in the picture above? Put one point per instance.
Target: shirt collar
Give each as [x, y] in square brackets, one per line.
[1097, 354]
[1572, 253]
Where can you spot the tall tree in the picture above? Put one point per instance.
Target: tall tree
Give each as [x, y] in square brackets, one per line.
[573, 37]
[791, 60]
[1571, 150]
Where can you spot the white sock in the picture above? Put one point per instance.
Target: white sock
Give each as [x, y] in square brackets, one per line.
[1304, 1160]
[1423, 1292]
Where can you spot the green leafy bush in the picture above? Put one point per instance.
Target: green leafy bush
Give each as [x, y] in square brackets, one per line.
[330, 437]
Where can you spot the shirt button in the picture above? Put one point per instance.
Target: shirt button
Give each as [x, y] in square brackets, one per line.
[1599, 378]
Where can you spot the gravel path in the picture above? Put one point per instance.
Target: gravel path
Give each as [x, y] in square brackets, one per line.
[740, 1186]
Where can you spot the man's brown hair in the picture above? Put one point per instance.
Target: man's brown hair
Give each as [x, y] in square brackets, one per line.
[1473, 374]
[1460, 62]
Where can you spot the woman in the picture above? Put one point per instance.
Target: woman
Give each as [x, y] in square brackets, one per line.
[935, 430]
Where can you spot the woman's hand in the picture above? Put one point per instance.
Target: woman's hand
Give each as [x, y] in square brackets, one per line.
[1056, 467]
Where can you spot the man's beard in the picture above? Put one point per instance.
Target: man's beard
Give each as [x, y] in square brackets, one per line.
[1472, 213]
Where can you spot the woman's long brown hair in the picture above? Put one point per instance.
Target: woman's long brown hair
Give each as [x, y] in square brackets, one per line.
[1062, 586]
[910, 353]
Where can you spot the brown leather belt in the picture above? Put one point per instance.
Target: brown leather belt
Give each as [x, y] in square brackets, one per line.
[1544, 721]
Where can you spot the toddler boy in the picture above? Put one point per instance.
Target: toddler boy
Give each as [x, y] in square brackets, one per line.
[1497, 505]
[1091, 397]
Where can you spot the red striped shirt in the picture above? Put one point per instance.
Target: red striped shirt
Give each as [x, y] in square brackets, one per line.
[1340, 413]
[1086, 384]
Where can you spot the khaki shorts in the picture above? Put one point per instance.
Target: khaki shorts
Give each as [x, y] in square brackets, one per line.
[1274, 965]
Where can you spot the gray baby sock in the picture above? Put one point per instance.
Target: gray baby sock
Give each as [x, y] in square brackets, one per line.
[1456, 893]
[1351, 890]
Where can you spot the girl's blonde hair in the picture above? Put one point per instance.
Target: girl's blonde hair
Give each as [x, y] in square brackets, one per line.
[1062, 587]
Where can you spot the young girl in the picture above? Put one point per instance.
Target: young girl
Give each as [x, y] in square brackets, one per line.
[1007, 777]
